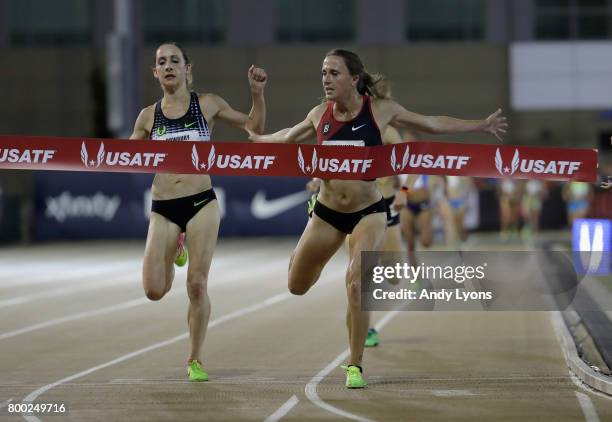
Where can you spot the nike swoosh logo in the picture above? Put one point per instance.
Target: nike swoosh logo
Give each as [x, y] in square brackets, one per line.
[195, 204]
[357, 128]
[263, 208]
[188, 125]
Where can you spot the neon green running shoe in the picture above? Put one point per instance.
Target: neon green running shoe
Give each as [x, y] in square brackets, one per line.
[416, 286]
[181, 252]
[311, 204]
[354, 379]
[372, 339]
[195, 372]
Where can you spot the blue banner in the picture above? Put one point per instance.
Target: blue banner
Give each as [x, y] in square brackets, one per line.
[592, 246]
[80, 205]
[262, 206]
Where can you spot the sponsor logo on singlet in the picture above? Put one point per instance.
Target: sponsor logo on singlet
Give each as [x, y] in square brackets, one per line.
[161, 130]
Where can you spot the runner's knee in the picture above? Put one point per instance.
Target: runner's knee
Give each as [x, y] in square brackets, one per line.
[301, 281]
[196, 286]
[299, 285]
[353, 282]
[154, 293]
[353, 290]
[297, 289]
[155, 287]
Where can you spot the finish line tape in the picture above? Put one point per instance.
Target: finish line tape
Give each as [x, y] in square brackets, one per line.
[326, 162]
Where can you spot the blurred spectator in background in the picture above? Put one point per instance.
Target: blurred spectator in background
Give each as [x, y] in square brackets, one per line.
[416, 217]
[607, 180]
[534, 193]
[453, 209]
[578, 197]
[509, 207]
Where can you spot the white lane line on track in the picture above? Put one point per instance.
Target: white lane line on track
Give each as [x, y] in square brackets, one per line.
[62, 291]
[67, 271]
[231, 316]
[568, 349]
[283, 410]
[585, 388]
[125, 305]
[39, 271]
[157, 381]
[218, 265]
[79, 269]
[75, 317]
[285, 381]
[588, 409]
[452, 393]
[311, 387]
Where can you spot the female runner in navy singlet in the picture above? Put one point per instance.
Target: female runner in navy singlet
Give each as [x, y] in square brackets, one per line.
[185, 203]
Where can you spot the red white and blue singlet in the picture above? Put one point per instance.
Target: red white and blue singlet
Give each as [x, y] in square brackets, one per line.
[360, 131]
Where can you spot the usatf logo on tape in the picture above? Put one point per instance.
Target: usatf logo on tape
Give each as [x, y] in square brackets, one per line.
[121, 158]
[461, 159]
[555, 167]
[426, 161]
[332, 165]
[235, 161]
[29, 156]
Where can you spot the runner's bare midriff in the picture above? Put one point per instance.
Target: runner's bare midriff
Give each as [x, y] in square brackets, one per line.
[348, 195]
[419, 195]
[387, 187]
[171, 186]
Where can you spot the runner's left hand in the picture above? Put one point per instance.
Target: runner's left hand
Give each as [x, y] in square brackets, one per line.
[496, 124]
[257, 79]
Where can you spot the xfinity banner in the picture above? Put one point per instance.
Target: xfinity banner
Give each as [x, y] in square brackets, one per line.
[71, 205]
[76, 205]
